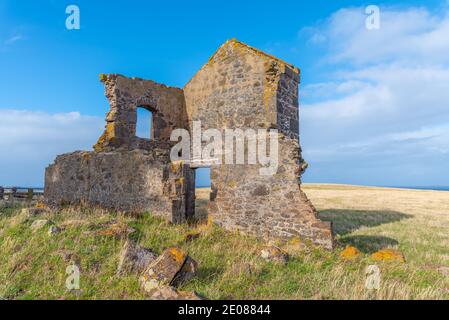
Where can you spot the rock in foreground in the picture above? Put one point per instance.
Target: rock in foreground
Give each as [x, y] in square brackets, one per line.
[31, 212]
[171, 268]
[160, 292]
[388, 255]
[134, 258]
[39, 224]
[350, 253]
[274, 254]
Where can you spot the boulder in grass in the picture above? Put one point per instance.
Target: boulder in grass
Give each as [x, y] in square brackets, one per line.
[32, 212]
[165, 268]
[244, 268]
[156, 291]
[39, 224]
[117, 230]
[350, 253]
[187, 272]
[274, 254]
[73, 224]
[171, 268]
[53, 230]
[134, 258]
[388, 255]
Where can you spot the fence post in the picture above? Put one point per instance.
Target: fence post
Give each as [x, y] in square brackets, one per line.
[13, 195]
[2, 193]
[30, 194]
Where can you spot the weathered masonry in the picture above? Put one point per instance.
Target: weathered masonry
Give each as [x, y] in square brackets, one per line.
[240, 87]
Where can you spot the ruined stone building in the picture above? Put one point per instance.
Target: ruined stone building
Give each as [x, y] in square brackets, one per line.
[240, 87]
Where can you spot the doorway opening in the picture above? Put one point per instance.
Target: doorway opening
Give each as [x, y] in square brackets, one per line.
[144, 125]
[202, 193]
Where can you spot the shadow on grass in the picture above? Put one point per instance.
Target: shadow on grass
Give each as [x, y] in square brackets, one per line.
[347, 221]
[7, 209]
[368, 244]
[207, 273]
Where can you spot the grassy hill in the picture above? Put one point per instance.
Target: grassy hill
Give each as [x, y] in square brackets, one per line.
[33, 264]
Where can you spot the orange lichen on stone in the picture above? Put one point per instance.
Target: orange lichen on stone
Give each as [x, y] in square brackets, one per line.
[243, 48]
[116, 230]
[41, 205]
[295, 242]
[178, 255]
[176, 166]
[232, 184]
[236, 43]
[110, 130]
[388, 255]
[86, 156]
[350, 253]
[294, 246]
[107, 136]
[275, 254]
[103, 77]
[210, 220]
[270, 89]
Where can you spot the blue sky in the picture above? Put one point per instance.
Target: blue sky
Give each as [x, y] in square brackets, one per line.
[374, 104]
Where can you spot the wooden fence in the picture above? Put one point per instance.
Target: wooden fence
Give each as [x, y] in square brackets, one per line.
[21, 194]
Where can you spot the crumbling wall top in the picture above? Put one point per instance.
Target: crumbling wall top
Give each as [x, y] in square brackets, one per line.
[125, 95]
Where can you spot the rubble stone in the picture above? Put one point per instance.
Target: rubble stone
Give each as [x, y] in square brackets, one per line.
[388, 255]
[274, 254]
[171, 268]
[350, 253]
[134, 258]
[53, 230]
[117, 230]
[155, 291]
[39, 224]
[33, 211]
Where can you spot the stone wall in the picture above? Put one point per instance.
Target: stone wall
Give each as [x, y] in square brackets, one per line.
[242, 87]
[125, 95]
[134, 182]
[125, 172]
[267, 206]
[239, 88]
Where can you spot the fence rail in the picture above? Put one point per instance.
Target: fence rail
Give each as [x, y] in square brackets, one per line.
[20, 193]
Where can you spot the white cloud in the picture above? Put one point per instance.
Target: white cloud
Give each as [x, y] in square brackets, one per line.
[387, 104]
[414, 34]
[383, 99]
[13, 39]
[31, 140]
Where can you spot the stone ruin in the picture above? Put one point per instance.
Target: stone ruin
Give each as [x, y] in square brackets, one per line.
[240, 87]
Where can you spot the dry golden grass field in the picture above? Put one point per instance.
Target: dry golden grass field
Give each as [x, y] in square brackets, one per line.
[414, 222]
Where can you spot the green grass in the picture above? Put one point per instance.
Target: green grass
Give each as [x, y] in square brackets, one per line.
[33, 264]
